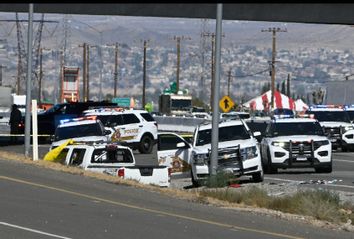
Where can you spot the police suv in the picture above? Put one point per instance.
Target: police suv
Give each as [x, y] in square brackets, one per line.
[296, 143]
[238, 152]
[83, 129]
[134, 128]
[336, 124]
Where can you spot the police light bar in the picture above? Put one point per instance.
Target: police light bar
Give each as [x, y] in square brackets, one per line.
[306, 116]
[348, 107]
[91, 117]
[326, 106]
[282, 116]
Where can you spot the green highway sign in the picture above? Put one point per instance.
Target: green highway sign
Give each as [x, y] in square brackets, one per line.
[123, 102]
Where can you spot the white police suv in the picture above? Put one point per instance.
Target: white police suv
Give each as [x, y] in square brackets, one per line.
[238, 152]
[336, 123]
[296, 143]
[134, 128]
[81, 130]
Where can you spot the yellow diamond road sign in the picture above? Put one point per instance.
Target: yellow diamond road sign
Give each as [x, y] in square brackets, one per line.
[226, 104]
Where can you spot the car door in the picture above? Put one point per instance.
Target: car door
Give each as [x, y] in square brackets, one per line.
[170, 155]
[131, 128]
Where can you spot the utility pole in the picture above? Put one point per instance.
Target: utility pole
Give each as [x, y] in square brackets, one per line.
[87, 97]
[228, 82]
[84, 70]
[115, 68]
[179, 38]
[144, 74]
[40, 74]
[274, 31]
[1, 68]
[212, 35]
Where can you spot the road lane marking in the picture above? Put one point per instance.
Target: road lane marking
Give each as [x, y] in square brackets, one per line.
[343, 160]
[152, 210]
[296, 181]
[32, 230]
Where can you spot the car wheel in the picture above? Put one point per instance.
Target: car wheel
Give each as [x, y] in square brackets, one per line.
[194, 181]
[327, 169]
[146, 144]
[258, 177]
[268, 167]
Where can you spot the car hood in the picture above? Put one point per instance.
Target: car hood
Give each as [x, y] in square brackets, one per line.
[243, 143]
[87, 139]
[299, 138]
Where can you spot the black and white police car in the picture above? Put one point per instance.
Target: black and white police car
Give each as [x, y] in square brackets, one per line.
[81, 130]
[134, 128]
[336, 123]
[296, 143]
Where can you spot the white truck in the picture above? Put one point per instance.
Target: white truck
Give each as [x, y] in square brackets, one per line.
[114, 160]
[238, 152]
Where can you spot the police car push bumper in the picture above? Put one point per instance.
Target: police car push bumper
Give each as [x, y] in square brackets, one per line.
[291, 154]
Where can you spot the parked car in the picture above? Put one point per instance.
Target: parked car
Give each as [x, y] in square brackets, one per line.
[174, 152]
[336, 123]
[83, 129]
[116, 160]
[296, 143]
[238, 152]
[134, 128]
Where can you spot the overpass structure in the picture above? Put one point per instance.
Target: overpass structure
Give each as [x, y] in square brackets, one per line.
[325, 13]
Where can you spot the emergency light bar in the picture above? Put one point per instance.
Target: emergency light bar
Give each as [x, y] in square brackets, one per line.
[326, 106]
[91, 117]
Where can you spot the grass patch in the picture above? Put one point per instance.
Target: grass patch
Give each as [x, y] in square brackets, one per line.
[219, 180]
[319, 204]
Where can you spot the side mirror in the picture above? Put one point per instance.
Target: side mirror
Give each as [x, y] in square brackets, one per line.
[181, 145]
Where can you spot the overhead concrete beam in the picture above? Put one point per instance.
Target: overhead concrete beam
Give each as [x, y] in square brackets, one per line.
[301, 13]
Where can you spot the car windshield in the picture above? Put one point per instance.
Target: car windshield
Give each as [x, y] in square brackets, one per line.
[351, 115]
[340, 116]
[228, 133]
[305, 128]
[78, 131]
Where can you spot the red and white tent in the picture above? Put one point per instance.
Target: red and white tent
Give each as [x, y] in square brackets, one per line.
[281, 101]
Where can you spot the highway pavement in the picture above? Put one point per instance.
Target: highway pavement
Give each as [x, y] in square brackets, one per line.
[41, 203]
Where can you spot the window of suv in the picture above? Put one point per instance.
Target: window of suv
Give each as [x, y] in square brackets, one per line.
[78, 131]
[296, 128]
[340, 116]
[130, 119]
[228, 133]
[147, 117]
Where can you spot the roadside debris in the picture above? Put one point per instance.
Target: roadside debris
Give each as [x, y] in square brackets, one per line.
[334, 181]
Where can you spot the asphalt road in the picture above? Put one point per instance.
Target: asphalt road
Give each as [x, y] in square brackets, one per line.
[41, 203]
[341, 179]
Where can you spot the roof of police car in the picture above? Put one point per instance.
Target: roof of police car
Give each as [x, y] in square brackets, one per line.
[75, 123]
[293, 120]
[222, 123]
[109, 111]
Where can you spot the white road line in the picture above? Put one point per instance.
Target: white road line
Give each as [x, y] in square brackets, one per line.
[343, 160]
[296, 181]
[32, 230]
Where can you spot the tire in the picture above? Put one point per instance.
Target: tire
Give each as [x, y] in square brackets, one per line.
[146, 144]
[327, 169]
[194, 181]
[344, 148]
[258, 177]
[269, 168]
